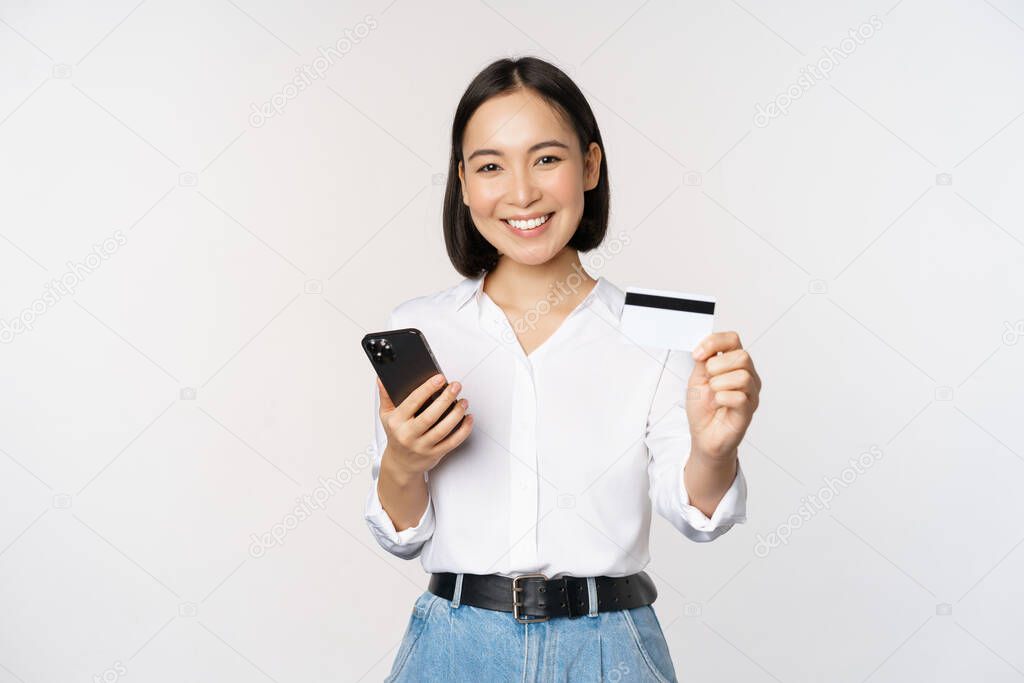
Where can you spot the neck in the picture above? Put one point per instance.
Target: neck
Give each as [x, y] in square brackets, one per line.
[561, 281]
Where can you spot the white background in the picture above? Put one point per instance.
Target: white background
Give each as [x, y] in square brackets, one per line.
[881, 301]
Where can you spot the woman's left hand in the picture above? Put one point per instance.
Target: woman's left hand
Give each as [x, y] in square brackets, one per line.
[722, 395]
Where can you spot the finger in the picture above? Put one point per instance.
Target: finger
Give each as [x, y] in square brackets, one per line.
[432, 413]
[453, 439]
[420, 394]
[698, 375]
[445, 426]
[732, 399]
[736, 380]
[385, 401]
[738, 359]
[715, 342]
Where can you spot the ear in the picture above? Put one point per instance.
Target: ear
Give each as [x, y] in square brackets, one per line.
[592, 166]
[462, 185]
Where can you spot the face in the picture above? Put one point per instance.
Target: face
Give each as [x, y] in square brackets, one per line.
[523, 163]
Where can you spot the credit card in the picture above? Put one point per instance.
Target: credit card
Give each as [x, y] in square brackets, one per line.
[667, 319]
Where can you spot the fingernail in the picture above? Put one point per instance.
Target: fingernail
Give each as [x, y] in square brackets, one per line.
[698, 352]
[438, 379]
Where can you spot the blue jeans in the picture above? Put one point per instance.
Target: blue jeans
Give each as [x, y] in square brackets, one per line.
[450, 642]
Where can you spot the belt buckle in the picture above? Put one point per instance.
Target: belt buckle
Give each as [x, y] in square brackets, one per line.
[516, 604]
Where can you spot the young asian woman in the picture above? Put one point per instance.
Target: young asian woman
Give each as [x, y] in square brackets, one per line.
[532, 518]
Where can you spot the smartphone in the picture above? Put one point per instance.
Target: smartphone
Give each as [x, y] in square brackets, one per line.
[403, 361]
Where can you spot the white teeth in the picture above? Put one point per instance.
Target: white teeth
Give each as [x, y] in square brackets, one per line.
[530, 224]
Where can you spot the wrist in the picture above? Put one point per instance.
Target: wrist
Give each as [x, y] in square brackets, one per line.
[400, 477]
[714, 463]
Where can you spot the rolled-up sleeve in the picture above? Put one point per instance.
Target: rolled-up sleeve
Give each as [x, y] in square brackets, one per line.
[407, 543]
[667, 436]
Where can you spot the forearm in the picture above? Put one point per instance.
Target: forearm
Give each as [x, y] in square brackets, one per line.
[707, 480]
[402, 495]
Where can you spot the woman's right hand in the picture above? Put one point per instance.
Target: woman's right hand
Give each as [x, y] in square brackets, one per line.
[415, 443]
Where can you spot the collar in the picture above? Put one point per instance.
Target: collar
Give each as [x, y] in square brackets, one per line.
[604, 291]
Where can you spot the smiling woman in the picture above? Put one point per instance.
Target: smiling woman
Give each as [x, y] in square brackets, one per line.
[536, 533]
[525, 145]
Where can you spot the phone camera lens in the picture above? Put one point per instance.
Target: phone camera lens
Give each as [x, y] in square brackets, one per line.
[380, 350]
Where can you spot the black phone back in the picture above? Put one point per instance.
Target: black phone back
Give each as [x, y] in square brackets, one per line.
[403, 361]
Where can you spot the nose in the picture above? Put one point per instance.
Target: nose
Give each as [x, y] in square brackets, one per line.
[524, 191]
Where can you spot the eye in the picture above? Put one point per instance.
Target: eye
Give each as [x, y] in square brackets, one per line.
[548, 156]
[483, 169]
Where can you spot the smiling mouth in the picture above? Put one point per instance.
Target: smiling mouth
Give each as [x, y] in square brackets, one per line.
[531, 224]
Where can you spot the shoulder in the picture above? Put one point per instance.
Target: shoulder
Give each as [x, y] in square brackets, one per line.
[611, 296]
[434, 303]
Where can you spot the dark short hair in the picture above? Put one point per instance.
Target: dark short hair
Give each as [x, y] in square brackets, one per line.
[469, 252]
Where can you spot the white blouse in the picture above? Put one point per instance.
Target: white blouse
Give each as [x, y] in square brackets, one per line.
[570, 446]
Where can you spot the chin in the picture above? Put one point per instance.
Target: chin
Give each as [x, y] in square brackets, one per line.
[532, 257]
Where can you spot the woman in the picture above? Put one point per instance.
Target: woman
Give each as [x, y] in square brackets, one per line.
[533, 516]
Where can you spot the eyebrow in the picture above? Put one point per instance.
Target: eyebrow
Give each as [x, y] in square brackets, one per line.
[539, 145]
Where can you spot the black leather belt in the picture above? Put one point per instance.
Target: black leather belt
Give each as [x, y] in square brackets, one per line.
[534, 597]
